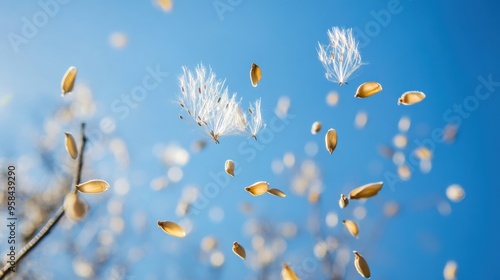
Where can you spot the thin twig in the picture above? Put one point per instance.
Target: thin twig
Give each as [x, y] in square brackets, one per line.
[6, 270]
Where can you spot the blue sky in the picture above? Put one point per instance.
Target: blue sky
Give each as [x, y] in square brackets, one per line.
[443, 48]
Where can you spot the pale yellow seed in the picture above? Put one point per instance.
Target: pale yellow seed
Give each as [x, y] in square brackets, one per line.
[316, 127]
[361, 265]
[455, 193]
[74, 208]
[208, 243]
[164, 5]
[391, 209]
[423, 153]
[258, 188]
[361, 119]
[411, 97]
[404, 124]
[172, 228]
[368, 89]
[71, 145]
[229, 166]
[343, 201]
[276, 192]
[352, 227]
[239, 250]
[255, 74]
[366, 191]
[404, 172]
[68, 80]
[450, 132]
[287, 273]
[450, 270]
[314, 196]
[93, 186]
[400, 141]
[332, 98]
[331, 140]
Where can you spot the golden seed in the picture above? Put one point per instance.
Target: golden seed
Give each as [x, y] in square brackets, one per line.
[229, 166]
[450, 270]
[423, 153]
[276, 192]
[71, 145]
[455, 193]
[361, 265]
[366, 191]
[352, 227]
[258, 188]
[404, 172]
[208, 243]
[400, 141]
[314, 196]
[172, 228]
[74, 208]
[93, 186]
[368, 89]
[331, 140]
[164, 5]
[316, 127]
[343, 201]
[411, 97]
[239, 250]
[68, 80]
[287, 273]
[255, 74]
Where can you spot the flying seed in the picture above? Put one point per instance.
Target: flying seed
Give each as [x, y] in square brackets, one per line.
[287, 273]
[352, 227]
[172, 228]
[182, 89]
[255, 74]
[180, 117]
[258, 188]
[227, 105]
[229, 166]
[93, 186]
[455, 193]
[411, 97]
[182, 105]
[199, 90]
[276, 192]
[250, 110]
[71, 145]
[450, 270]
[331, 140]
[189, 112]
[68, 80]
[368, 89]
[316, 127]
[360, 120]
[218, 100]
[199, 123]
[423, 153]
[366, 191]
[239, 250]
[361, 265]
[343, 201]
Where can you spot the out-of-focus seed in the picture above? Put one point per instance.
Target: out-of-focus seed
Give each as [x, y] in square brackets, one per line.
[276, 192]
[287, 273]
[352, 227]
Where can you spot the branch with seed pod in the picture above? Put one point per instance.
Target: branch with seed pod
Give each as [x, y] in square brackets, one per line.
[92, 186]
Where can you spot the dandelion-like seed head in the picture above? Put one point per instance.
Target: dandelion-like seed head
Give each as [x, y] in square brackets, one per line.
[341, 57]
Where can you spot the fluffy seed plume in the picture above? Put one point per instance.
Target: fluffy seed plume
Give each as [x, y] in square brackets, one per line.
[341, 57]
[207, 101]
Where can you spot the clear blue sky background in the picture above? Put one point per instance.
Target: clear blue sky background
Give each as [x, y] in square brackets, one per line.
[438, 47]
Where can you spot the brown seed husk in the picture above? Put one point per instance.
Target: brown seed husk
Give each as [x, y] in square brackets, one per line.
[361, 265]
[68, 80]
[172, 228]
[70, 145]
[276, 192]
[366, 191]
[368, 89]
[411, 97]
[229, 166]
[352, 227]
[331, 140]
[258, 188]
[343, 201]
[287, 273]
[255, 74]
[93, 186]
[316, 127]
[239, 250]
[74, 208]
